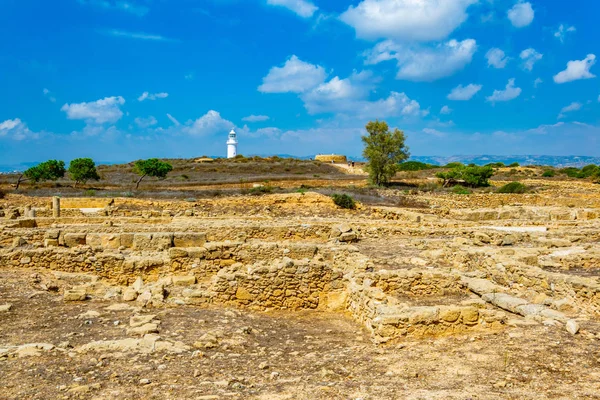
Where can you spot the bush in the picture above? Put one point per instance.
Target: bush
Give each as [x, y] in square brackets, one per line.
[454, 165]
[414, 166]
[459, 189]
[343, 201]
[514, 165]
[469, 176]
[260, 190]
[89, 193]
[571, 172]
[513, 187]
[496, 165]
[549, 173]
[589, 171]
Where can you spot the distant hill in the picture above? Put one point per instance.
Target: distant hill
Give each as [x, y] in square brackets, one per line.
[555, 161]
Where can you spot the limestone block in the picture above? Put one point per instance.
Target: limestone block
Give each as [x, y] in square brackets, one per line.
[139, 320]
[18, 242]
[197, 252]
[243, 294]
[75, 295]
[143, 330]
[470, 315]
[423, 315]
[162, 241]
[504, 301]
[127, 239]
[94, 239]
[450, 313]
[191, 239]
[130, 294]
[75, 239]
[176, 252]
[184, 280]
[347, 237]
[142, 241]
[52, 234]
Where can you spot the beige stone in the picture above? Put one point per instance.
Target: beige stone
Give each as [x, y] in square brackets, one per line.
[75, 295]
[184, 280]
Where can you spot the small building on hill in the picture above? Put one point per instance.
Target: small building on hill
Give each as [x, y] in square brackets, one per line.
[331, 158]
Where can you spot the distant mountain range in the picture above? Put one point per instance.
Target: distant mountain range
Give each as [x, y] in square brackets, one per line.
[555, 161]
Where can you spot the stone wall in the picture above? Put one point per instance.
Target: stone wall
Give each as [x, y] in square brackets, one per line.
[328, 158]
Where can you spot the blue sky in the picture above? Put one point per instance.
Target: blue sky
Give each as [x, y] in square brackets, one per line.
[118, 80]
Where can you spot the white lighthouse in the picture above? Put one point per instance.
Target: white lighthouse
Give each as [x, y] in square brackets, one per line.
[232, 145]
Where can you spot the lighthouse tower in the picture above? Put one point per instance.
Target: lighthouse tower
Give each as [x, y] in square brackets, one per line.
[232, 145]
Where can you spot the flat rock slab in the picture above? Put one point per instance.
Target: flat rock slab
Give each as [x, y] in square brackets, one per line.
[517, 228]
[505, 301]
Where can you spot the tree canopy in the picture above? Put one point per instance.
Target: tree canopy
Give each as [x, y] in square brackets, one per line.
[50, 170]
[384, 150]
[151, 167]
[82, 170]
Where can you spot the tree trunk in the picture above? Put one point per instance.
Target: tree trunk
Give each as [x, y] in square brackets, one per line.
[137, 185]
[19, 181]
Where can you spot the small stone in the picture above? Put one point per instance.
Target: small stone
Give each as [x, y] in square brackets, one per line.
[5, 307]
[130, 294]
[263, 365]
[572, 327]
[274, 375]
[144, 381]
[139, 320]
[143, 330]
[75, 295]
[138, 284]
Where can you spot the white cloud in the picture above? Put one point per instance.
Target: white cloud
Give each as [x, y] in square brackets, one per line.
[424, 63]
[137, 35]
[349, 96]
[255, 118]
[295, 76]
[509, 93]
[303, 8]
[173, 120]
[521, 14]
[99, 111]
[577, 69]
[117, 5]
[446, 110]
[145, 122]
[496, 58]
[49, 95]
[153, 96]
[407, 20]
[530, 57]
[537, 82]
[562, 31]
[434, 132]
[575, 106]
[16, 129]
[209, 124]
[463, 93]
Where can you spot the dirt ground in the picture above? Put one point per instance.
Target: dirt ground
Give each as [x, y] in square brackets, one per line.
[280, 355]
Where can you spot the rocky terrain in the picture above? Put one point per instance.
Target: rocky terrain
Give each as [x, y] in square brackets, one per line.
[287, 296]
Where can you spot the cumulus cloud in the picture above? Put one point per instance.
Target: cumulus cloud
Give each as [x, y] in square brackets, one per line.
[537, 82]
[209, 124]
[417, 63]
[463, 93]
[562, 31]
[530, 57]
[446, 110]
[145, 122]
[577, 69]
[521, 14]
[153, 96]
[575, 106]
[255, 118]
[101, 111]
[302, 8]
[434, 132]
[510, 92]
[496, 58]
[296, 76]
[16, 129]
[407, 20]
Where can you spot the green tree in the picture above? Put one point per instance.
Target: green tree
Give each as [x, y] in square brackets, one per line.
[151, 167]
[50, 170]
[82, 170]
[384, 150]
[469, 176]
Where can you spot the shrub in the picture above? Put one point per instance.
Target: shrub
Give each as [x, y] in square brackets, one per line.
[82, 170]
[469, 176]
[429, 187]
[571, 172]
[454, 165]
[414, 166]
[549, 173]
[514, 165]
[459, 189]
[588, 171]
[89, 193]
[260, 190]
[513, 187]
[496, 165]
[343, 201]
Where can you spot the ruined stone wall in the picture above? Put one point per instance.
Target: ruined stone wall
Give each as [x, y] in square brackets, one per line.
[328, 158]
